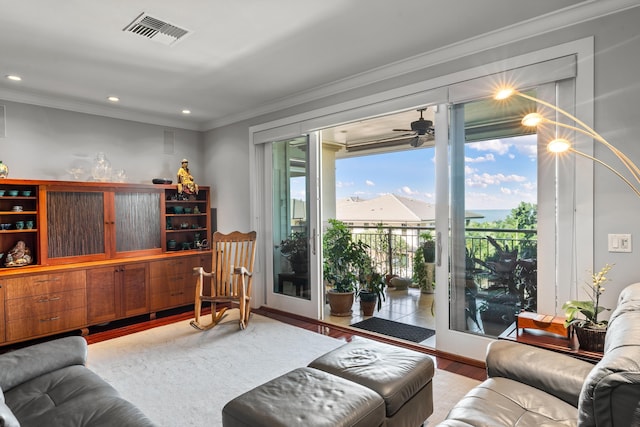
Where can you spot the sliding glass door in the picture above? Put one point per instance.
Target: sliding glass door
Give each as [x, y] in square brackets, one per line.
[494, 166]
[295, 259]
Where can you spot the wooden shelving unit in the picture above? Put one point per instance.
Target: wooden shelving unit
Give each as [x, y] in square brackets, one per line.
[100, 253]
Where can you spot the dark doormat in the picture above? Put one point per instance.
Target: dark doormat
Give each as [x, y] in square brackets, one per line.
[395, 329]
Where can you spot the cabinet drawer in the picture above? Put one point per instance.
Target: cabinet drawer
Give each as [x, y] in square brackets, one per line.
[176, 298]
[18, 329]
[42, 305]
[173, 291]
[31, 286]
[181, 266]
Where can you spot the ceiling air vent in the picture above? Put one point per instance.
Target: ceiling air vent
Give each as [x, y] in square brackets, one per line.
[156, 29]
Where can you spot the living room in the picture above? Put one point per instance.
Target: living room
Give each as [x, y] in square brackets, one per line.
[46, 134]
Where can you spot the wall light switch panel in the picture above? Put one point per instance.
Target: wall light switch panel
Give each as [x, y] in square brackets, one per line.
[619, 242]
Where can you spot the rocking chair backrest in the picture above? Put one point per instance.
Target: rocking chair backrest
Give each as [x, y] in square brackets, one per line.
[231, 251]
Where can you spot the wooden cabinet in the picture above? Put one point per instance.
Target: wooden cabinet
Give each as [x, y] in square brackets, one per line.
[37, 305]
[99, 253]
[172, 280]
[117, 292]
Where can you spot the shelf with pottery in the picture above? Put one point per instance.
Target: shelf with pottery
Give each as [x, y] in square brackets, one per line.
[18, 219]
[186, 220]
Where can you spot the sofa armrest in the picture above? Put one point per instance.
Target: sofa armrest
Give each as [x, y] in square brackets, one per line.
[557, 374]
[19, 366]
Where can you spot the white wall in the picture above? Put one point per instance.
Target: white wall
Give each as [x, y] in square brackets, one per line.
[617, 92]
[43, 143]
[226, 154]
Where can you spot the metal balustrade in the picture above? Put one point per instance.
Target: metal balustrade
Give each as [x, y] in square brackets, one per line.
[393, 248]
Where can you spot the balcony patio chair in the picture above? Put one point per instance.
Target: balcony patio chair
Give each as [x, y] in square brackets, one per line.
[230, 278]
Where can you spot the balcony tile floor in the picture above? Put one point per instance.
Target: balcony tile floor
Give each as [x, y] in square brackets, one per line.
[408, 306]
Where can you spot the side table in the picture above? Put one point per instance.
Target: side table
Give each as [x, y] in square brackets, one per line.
[549, 341]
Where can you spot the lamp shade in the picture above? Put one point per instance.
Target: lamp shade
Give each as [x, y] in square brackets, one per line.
[558, 145]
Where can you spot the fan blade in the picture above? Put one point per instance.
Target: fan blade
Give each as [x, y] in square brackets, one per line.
[419, 140]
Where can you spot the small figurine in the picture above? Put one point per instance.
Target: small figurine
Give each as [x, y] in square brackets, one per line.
[18, 256]
[185, 179]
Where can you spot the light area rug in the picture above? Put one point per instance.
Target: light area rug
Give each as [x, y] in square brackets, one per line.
[182, 377]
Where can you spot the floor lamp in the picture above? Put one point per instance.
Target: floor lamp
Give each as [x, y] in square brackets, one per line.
[560, 145]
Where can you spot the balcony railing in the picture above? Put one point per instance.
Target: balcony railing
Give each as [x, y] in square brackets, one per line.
[393, 249]
[500, 268]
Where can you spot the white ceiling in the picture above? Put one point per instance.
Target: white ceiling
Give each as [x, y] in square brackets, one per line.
[241, 58]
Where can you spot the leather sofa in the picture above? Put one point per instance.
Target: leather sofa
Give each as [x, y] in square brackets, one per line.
[530, 386]
[48, 384]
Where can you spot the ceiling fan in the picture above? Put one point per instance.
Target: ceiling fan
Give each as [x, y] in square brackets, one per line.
[423, 130]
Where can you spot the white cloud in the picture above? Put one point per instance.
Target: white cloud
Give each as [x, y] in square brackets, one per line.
[526, 145]
[495, 145]
[484, 180]
[370, 183]
[342, 184]
[480, 159]
[407, 190]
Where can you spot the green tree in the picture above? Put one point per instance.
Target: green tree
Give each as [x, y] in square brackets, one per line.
[522, 217]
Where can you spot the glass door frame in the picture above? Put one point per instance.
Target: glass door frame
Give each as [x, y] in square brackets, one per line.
[311, 307]
[434, 91]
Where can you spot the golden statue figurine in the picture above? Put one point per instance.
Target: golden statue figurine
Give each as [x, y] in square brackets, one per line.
[185, 179]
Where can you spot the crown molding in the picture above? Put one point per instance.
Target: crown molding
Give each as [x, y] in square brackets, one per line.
[573, 15]
[583, 12]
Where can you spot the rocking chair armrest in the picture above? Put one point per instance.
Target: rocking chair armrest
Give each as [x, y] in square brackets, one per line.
[243, 271]
[197, 271]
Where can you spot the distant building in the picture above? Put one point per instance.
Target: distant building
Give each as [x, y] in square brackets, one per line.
[390, 210]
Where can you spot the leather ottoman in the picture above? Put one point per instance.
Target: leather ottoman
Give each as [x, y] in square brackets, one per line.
[306, 397]
[401, 377]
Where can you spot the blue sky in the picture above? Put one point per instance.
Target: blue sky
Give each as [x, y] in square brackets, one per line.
[499, 174]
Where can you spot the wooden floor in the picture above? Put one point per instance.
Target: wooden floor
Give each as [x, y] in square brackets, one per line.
[446, 362]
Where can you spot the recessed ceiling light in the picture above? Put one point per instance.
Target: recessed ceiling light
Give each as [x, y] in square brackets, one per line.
[14, 77]
[185, 111]
[113, 99]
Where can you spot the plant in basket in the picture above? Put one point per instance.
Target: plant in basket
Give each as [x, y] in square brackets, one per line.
[371, 292]
[296, 248]
[583, 314]
[345, 258]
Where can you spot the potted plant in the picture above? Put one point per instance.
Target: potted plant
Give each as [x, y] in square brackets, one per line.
[295, 248]
[344, 259]
[429, 252]
[590, 330]
[371, 293]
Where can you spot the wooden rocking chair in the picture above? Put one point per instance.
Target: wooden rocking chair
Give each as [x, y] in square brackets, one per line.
[231, 277]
